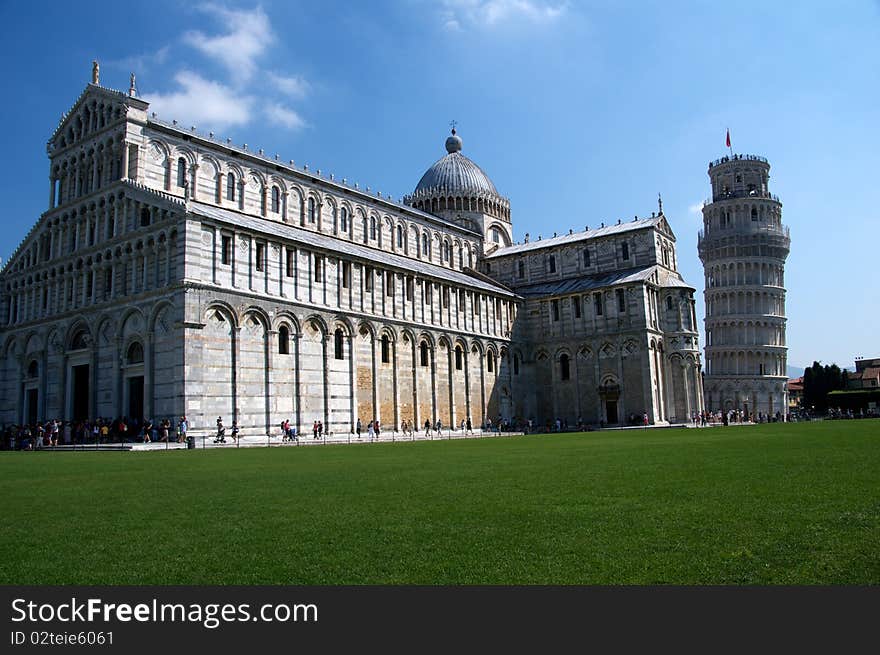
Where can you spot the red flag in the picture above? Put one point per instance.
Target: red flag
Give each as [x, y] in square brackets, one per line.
[728, 138]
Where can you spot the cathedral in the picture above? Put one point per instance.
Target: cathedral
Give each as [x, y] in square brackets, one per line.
[174, 273]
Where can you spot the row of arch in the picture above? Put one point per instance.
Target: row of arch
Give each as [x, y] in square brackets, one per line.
[745, 273]
[745, 362]
[722, 303]
[88, 224]
[752, 333]
[739, 215]
[335, 369]
[271, 196]
[105, 365]
[480, 202]
[86, 119]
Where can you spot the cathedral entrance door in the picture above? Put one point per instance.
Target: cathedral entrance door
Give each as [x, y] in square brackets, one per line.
[31, 406]
[611, 411]
[80, 393]
[136, 397]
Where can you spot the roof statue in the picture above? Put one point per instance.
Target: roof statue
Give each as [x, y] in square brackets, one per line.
[95, 71]
[132, 89]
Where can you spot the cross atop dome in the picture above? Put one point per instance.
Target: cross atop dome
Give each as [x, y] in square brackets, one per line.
[453, 143]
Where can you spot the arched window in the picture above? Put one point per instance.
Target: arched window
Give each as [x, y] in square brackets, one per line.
[283, 340]
[181, 172]
[80, 341]
[338, 347]
[551, 263]
[754, 213]
[145, 217]
[230, 187]
[425, 249]
[135, 354]
[372, 228]
[459, 358]
[343, 220]
[496, 235]
[386, 350]
[490, 362]
[276, 200]
[423, 352]
[312, 210]
[33, 370]
[669, 303]
[624, 251]
[400, 236]
[521, 269]
[446, 251]
[516, 364]
[564, 367]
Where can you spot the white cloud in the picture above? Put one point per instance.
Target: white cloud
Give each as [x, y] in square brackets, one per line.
[142, 62]
[202, 102]
[295, 87]
[249, 34]
[489, 13]
[284, 116]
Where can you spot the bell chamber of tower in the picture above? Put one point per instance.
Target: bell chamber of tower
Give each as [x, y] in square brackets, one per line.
[743, 246]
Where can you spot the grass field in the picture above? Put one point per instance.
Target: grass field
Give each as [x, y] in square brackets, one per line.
[774, 504]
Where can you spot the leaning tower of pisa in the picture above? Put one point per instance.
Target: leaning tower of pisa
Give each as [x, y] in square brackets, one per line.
[743, 246]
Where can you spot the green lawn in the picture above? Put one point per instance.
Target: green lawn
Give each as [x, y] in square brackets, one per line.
[774, 504]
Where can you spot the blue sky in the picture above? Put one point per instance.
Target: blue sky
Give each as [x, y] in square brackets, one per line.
[580, 112]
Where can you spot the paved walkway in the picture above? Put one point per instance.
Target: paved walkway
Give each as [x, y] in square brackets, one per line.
[336, 439]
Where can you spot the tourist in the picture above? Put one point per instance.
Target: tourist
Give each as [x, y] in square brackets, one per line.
[370, 431]
[427, 428]
[221, 431]
[469, 426]
[235, 431]
[358, 428]
[315, 429]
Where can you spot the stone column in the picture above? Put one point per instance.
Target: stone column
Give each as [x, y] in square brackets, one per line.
[326, 347]
[450, 368]
[148, 375]
[236, 361]
[352, 381]
[374, 393]
[482, 388]
[467, 384]
[395, 384]
[433, 385]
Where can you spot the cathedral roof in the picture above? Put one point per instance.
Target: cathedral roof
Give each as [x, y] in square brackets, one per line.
[566, 239]
[661, 276]
[455, 174]
[335, 245]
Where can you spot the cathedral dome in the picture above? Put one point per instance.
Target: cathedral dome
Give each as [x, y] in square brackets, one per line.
[455, 184]
[455, 174]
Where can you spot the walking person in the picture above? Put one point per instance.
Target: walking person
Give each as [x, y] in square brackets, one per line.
[182, 428]
[221, 431]
[315, 429]
[427, 428]
[370, 431]
[235, 431]
[357, 428]
[469, 426]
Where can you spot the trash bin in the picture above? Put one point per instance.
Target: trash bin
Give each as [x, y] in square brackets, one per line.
[190, 442]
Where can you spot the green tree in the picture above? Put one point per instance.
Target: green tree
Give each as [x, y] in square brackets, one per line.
[818, 381]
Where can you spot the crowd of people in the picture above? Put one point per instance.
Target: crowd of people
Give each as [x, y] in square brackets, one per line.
[57, 432]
